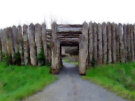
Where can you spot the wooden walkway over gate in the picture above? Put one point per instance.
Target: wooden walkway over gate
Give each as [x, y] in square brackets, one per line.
[69, 35]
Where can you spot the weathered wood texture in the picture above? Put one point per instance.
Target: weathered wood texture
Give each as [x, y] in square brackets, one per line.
[99, 44]
[55, 64]
[25, 45]
[90, 42]
[109, 52]
[20, 43]
[32, 44]
[44, 40]
[104, 34]
[83, 49]
[38, 38]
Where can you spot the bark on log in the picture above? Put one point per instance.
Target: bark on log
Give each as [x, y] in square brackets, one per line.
[104, 27]
[26, 45]
[83, 50]
[90, 42]
[38, 38]
[109, 35]
[4, 44]
[99, 44]
[134, 40]
[0, 45]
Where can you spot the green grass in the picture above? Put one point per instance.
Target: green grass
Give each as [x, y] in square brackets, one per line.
[67, 60]
[18, 82]
[119, 78]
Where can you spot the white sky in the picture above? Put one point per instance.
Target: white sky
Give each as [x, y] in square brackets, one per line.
[15, 12]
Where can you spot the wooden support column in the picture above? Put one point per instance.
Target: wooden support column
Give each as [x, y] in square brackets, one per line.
[83, 49]
[33, 54]
[55, 64]
[90, 42]
[104, 35]
[25, 44]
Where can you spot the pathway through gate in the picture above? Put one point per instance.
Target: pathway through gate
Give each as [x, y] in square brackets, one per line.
[69, 35]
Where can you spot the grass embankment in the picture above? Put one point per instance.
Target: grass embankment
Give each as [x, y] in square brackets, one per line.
[67, 60]
[119, 78]
[18, 82]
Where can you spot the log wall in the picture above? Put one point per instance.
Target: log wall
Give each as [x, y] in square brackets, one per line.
[105, 43]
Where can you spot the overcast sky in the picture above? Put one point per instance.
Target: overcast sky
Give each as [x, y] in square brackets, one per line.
[15, 12]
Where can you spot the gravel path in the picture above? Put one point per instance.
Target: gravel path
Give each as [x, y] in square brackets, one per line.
[70, 87]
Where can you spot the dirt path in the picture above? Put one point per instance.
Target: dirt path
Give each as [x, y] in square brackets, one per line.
[70, 87]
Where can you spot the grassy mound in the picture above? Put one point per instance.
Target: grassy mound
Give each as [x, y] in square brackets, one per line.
[18, 82]
[119, 78]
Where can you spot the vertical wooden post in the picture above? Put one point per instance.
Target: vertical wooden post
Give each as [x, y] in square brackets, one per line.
[99, 44]
[83, 49]
[25, 44]
[114, 43]
[4, 44]
[128, 43]
[15, 38]
[95, 43]
[104, 43]
[20, 43]
[120, 28]
[0, 45]
[38, 33]
[33, 54]
[90, 42]
[125, 41]
[134, 39]
[131, 42]
[109, 53]
[55, 64]
[44, 40]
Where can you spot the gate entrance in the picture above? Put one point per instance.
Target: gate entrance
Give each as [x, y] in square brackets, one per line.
[69, 35]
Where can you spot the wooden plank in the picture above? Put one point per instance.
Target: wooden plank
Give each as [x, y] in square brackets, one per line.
[33, 54]
[104, 34]
[26, 45]
[0, 44]
[38, 35]
[99, 44]
[90, 42]
[83, 50]
[4, 44]
[114, 42]
[109, 34]
[134, 40]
